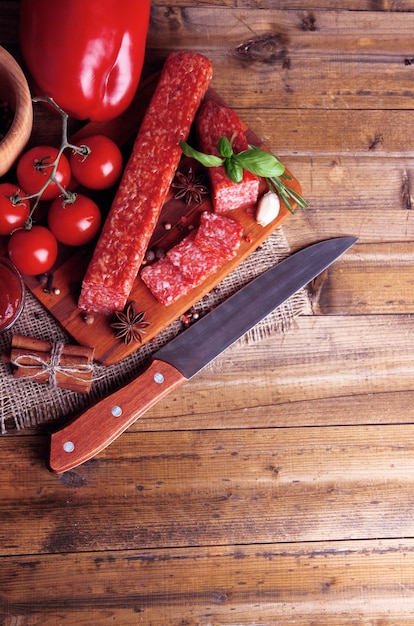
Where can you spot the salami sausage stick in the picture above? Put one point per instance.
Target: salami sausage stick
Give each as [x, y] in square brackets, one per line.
[214, 121]
[147, 177]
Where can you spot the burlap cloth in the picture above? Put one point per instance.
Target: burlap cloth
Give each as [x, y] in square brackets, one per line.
[27, 404]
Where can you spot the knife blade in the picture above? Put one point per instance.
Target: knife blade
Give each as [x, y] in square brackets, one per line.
[179, 360]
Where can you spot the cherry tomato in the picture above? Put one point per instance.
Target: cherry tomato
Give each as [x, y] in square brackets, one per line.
[35, 166]
[74, 224]
[12, 215]
[33, 251]
[102, 167]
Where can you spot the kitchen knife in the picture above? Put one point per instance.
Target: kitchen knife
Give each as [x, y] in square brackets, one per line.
[184, 356]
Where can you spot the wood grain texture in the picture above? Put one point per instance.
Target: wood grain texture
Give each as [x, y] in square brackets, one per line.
[275, 487]
[256, 584]
[200, 488]
[302, 5]
[287, 62]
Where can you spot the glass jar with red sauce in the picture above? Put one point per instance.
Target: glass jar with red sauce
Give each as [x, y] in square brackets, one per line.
[12, 294]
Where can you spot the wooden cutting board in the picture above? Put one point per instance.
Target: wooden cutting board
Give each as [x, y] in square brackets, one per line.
[179, 217]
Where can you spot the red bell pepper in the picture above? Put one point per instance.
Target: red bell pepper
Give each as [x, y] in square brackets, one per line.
[85, 54]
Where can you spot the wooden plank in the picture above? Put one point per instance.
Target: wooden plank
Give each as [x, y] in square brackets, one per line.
[334, 187]
[327, 583]
[335, 133]
[342, 203]
[205, 488]
[328, 357]
[394, 407]
[374, 278]
[374, 27]
[303, 5]
[330, 63]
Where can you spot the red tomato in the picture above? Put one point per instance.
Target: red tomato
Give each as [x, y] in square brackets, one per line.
[12, 215]
[34, 168]
[33, 251]
[74, 224]
[102, 167]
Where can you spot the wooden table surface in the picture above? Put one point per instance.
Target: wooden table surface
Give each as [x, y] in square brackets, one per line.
[277, 486]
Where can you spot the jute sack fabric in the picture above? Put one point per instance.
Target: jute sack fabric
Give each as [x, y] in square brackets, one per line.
[27, 404]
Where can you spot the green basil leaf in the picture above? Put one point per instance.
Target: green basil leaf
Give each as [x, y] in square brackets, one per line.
[233, 170]
[224, 147]
[208, 160]
[260, 162]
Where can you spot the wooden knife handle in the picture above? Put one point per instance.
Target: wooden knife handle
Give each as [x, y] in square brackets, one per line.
[97, 427]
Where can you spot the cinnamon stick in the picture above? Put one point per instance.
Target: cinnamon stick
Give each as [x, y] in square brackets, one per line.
[60, 365]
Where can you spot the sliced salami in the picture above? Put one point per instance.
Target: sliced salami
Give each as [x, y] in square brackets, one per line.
[194, 259]
[214, 121]
[147, 177]
[165, 281]
[219, 234]
[194, 263]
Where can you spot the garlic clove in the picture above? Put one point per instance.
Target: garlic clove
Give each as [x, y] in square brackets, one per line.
[267, 208]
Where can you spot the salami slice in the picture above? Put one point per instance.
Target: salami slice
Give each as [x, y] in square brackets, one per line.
[194, 263]
[194, 259]
[214, 121]
[219, 233]
[165, 281]
[147, 177]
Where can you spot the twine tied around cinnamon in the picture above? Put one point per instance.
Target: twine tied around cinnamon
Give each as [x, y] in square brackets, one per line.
[52, 367]
[56, 364]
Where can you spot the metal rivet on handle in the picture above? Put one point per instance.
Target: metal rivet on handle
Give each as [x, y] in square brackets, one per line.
[116, 411]
[68, 446]
[158, 378]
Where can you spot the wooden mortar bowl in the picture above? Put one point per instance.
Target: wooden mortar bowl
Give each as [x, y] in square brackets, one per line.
[15, 91]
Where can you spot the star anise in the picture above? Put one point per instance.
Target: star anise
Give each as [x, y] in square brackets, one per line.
[190, 186]
[130, 325]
